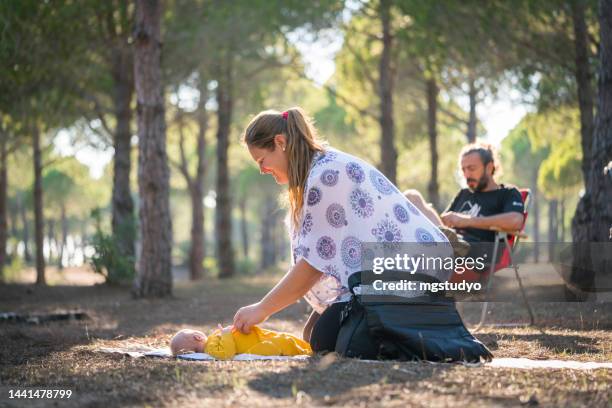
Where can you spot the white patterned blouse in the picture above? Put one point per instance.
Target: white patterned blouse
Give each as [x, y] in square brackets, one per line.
[349, 202]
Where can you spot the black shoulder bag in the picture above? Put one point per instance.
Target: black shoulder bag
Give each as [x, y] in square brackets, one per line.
[427, 327]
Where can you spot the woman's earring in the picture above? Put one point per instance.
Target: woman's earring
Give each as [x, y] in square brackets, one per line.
[284, 148]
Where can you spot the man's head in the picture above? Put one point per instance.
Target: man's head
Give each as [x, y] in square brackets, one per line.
[479, 163]
[187, 341]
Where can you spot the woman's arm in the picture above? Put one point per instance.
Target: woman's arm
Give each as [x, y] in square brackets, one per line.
[291, 287]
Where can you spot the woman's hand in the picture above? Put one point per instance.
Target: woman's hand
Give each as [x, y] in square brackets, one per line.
[291, 287]
[248, 316]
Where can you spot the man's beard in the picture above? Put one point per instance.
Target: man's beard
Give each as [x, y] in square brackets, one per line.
[481, 185]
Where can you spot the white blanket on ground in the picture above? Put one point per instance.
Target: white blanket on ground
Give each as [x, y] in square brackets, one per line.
[138, 351]
[145, 351]
[522, 363]
[527, 363]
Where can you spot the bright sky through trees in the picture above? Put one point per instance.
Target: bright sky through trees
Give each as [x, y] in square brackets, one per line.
[498, 115]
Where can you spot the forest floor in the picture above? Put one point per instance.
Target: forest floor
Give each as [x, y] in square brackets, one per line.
[62, 355]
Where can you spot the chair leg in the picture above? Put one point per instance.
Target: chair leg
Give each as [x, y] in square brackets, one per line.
[520, 282]
[485, 305]
[483, 317]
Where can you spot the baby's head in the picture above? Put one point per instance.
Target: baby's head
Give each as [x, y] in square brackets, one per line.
[187, 341]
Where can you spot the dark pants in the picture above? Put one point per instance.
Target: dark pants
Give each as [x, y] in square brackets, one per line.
[322, 330]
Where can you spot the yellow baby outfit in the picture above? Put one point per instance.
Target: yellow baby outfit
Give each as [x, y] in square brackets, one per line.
[224, 345]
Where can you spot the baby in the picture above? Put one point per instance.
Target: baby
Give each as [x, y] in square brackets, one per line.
[225, 343]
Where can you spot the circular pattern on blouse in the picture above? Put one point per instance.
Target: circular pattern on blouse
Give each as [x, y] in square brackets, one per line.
[300, 251]
[325, 157]
[401, 213]
[336, 216]
[331, 270]
[412, 208]
[361, 203]
[306, 224]
[314, 196]
[380, 182]
[355, 172]
[387, 231]
[351, 252]
[330, 177]
[326, 248]
[424, 237]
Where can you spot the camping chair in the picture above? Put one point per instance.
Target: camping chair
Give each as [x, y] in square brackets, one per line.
[509, 239]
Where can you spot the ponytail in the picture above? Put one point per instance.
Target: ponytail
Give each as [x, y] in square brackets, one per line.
[302, 144]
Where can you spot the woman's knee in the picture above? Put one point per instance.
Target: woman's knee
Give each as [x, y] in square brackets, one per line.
[415, 197]
[325, 331]
[307, 332]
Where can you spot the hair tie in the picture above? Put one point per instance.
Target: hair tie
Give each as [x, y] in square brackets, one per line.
[285, 114]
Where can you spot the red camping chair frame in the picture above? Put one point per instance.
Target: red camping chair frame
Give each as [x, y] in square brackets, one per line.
[510, 240]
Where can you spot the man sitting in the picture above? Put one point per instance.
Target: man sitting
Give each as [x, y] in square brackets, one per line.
[484, 205]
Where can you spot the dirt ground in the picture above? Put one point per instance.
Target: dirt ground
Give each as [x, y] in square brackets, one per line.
[61, 355]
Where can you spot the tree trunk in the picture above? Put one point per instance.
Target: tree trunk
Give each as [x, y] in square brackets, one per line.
[535, 216]
[387, 145]
[38, 209]
[51, 241]
[25, 236]
[244, 233]
[3, 188]
[197, 252]
[267, 249]
[561, 227]
[600, 177]
[62, 245]
[154, 278]
[432, 131]
[83, 241]
[593, 218]
[280, 237]
[13, 218]
[552, 229]
[584, 83]
[123, 222]
[225, 252]
[273, 237]
[472, 120]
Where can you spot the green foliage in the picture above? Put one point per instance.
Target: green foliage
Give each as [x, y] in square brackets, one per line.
[560, 173]
[210, 266]
[520, 156]
[58, 188]
[246, 266]
[107, 259]
[50, 51]
[12, 270]
[333, 119]
[546, 147]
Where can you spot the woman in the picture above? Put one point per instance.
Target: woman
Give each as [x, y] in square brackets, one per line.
[336, 203]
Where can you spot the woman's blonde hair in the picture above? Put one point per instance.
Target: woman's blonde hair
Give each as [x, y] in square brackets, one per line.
[302, 144]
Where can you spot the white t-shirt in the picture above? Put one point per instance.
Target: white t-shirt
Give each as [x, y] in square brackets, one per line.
[349, 202]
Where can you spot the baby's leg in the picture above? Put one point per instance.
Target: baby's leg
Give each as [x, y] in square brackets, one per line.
[265, 348]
